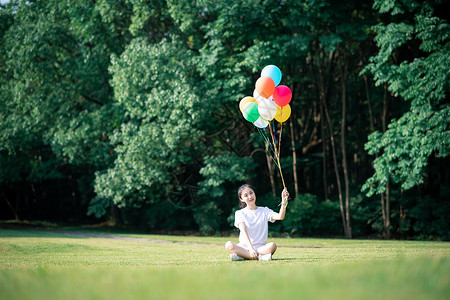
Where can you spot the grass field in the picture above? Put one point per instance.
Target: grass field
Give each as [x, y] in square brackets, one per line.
[37, 264]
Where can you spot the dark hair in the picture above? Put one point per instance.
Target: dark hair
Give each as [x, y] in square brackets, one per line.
[241, 188]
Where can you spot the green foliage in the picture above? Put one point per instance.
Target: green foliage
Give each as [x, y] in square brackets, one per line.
[407, 146]
[98, 207]
[207, 216]
[421, 216]
[58, 111]
[129, 109]
[153, 146]
[428, 218]
[421, 132]
[220, 169]
[395, 7]
[306, 216]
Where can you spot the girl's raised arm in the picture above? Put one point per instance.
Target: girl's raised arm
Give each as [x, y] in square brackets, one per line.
[284, 201]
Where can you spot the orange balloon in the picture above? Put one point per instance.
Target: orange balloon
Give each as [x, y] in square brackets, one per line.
[283, 113]
[265, 86]
[245, 101]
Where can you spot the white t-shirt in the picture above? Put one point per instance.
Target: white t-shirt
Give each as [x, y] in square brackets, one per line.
[256, 223]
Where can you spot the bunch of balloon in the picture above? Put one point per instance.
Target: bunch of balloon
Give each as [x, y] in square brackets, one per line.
[270, 101]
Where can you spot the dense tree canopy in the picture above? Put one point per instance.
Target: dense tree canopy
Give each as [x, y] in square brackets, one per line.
[420, 77]
[128, 110]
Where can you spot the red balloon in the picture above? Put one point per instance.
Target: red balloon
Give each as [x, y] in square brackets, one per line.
[282, 95]
[265, 86]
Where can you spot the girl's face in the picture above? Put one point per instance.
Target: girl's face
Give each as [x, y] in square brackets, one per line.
[248, 196]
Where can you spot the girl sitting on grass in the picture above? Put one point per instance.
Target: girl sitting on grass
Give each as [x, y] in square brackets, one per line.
[252, 222]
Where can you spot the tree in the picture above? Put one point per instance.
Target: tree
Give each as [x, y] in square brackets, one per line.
[330, 43]
[413, 61]
[58, 103]
[173, 136]
[129, 109]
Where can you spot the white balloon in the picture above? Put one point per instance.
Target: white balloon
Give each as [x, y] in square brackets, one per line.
[267, 109]
[257, 96]
[261, 123]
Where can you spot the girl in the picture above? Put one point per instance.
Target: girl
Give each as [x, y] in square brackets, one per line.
[252, 222]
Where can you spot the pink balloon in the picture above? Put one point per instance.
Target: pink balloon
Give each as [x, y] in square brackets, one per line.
[282, 95]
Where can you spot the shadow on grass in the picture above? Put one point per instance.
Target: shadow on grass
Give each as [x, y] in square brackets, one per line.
[42, 229]
[77, 234]
[38, 233]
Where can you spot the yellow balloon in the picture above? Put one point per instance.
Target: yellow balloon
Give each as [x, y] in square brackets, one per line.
[245, 101]
[283, 113]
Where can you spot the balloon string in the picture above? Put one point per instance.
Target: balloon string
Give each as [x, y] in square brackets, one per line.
[281, 173]
[273, 139]
[277, 156]
[274, 161]
[267, 141]
[272, 153]
[279, 139]
[274, 149]
[268, 145]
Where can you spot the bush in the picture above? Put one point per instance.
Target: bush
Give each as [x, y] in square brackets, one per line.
[307, 216]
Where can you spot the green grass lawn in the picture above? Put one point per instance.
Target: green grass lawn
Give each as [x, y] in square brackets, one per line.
[38, 264]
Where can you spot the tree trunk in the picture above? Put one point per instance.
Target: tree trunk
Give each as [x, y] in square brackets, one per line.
[384, 202]
[372, 129]
[294, 157]
[333, 144]
[114, 219]
[343, 71]
[387, 219]
[387, 224]
[336, 170]
[320, 95]
[18, 197]
[366, 84]
[16, 216]
[324, 151]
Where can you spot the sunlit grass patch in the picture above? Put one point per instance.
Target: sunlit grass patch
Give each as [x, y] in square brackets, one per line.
[46, 265]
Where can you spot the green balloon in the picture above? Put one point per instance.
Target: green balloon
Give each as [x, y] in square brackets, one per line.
[250, 112]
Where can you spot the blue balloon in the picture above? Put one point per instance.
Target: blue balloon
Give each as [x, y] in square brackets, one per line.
[273, 72]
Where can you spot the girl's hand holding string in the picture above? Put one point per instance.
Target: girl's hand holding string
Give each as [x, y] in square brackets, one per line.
[284, 197]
